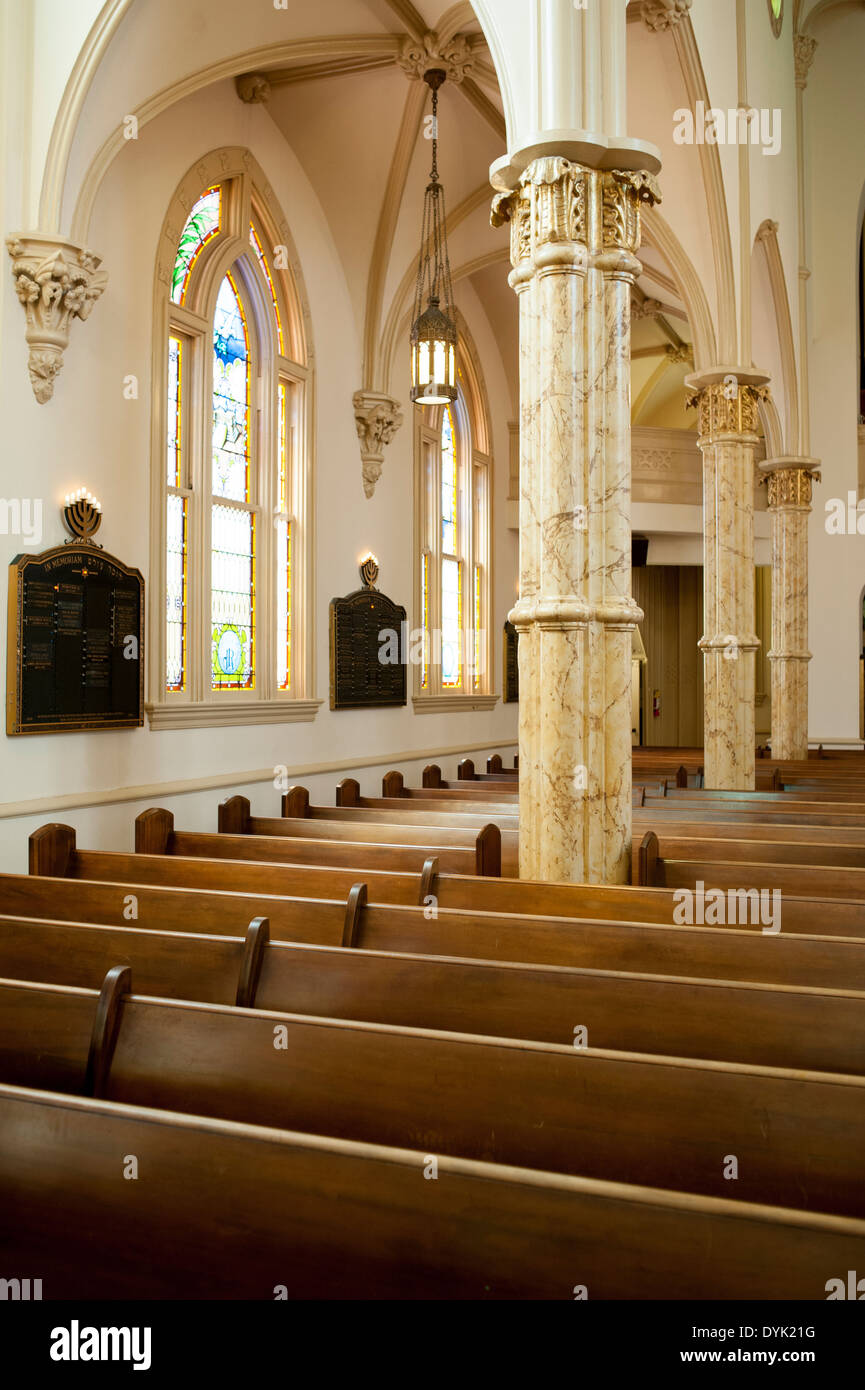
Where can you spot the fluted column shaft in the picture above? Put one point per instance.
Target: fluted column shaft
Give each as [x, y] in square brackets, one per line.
[574, 232]
[788, 484]
[728, 440]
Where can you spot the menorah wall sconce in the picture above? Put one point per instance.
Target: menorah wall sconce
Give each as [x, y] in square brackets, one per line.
[82, 516]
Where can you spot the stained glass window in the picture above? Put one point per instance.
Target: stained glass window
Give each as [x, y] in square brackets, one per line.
[230, 396]
[283, 545]
[175, 384]
[478, 627]
[175, 594]
[425, 616]
[449, 486]
[202, 224]
[255, 242]
[232, 598]
[232, 538]
[227, 563]
[452, 623]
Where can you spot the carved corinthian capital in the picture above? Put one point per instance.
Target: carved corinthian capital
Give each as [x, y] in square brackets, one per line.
[624, 192]
[727, 407]
[377, 417]
[455, 56]
[55, 282]
[550, 206]
[788, 480]
[664, 14]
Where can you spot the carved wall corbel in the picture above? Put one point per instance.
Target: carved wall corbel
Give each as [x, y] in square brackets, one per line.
[56, 282]
[377, 417]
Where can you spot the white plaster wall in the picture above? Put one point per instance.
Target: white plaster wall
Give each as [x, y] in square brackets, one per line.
[91, 435]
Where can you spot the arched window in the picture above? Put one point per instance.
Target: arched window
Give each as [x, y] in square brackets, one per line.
[453, 555]
[776, 16]
[232, 639]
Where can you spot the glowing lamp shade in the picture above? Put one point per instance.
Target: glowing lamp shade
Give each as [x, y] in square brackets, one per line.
[433, 358]
[433, 332]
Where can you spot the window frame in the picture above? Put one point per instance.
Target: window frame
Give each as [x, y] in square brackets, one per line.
[474, 546]
[247, 200]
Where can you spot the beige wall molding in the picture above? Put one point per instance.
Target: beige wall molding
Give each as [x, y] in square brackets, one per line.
[377, 418]
[56, 282]
[160, 791]
[452, 704]
[237, 713]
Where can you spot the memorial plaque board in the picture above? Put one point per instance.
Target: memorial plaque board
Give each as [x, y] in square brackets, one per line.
[511, 678]
[367, 650]
[75, 657]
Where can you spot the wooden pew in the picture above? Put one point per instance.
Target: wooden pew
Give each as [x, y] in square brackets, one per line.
[246, 1212]
[798, 878]
[393, 786]
[296, 805]
[495, 851]
[458, 994]
[645, 1120]
[753, 847]
[155, 834]
[53, 853]
[486, 842]
[723, 953]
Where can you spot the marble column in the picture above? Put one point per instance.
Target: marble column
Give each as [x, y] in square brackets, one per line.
[574, 234]
[728, 400]
[788, 482]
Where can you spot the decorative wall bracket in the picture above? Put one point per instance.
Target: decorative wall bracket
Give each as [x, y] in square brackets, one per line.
[56, 282]
[377, 417]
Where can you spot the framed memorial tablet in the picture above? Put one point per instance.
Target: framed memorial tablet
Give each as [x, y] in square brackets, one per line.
[75, 655]
[367, 647]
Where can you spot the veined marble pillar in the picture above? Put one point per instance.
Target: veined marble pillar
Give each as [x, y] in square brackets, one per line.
[574, 234]
[728, 401]
[788, 482]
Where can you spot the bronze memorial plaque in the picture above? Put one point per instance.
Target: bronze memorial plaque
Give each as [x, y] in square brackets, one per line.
[511, 681]
[367, 648]
[75, 656]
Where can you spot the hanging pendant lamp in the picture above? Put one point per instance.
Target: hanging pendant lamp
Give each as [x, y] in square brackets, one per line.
[433, 331]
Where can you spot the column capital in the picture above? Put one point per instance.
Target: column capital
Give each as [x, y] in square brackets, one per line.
[728, 399]
[550, 211]
[56, 282]
[788, 480]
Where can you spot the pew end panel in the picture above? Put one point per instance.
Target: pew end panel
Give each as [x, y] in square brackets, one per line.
[153, 831]
[51, 851]
[234, 816]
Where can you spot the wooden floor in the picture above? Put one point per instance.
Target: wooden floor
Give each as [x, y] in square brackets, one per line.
[342, 1052]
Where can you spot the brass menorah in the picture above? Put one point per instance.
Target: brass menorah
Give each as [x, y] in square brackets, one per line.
[82, 515]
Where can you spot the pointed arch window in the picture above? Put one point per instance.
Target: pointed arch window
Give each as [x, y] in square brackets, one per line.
[453, 561]
[233, 640]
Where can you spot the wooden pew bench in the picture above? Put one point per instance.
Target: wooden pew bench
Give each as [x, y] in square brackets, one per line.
[155, 834]
[687, 866]
[238, 1211]
[723, 953]
[493, 853]
[53, 853]
[653, 1120]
